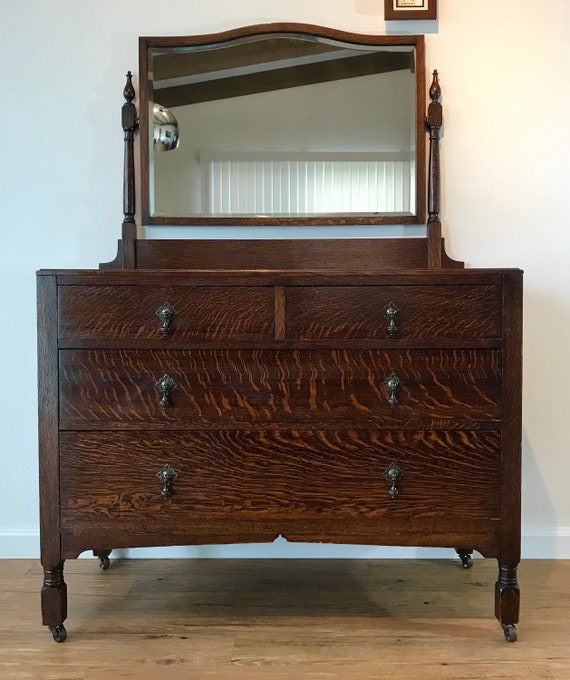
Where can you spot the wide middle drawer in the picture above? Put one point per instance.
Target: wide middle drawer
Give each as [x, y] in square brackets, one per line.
[223, 388]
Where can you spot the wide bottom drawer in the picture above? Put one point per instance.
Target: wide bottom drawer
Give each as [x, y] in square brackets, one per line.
[109, 479]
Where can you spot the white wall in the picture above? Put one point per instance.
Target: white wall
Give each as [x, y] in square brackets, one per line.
[506, 183]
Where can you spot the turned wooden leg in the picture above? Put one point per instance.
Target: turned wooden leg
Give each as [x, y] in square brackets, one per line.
[54, 601]
[507, 600]
[103, 555]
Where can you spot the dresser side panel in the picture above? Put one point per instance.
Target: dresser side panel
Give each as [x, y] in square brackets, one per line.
[512, 417]
[48, 413]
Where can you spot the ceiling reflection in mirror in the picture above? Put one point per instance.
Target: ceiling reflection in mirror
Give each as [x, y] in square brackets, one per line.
[282, 125]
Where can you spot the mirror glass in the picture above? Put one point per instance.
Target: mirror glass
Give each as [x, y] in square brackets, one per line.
[282, 126]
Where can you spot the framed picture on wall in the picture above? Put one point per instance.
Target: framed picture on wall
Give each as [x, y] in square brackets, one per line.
[396, 10]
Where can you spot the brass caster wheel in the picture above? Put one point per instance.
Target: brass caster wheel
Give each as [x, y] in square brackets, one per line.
[465, 557]
[510, 631]
[59, 633]
[104, 563]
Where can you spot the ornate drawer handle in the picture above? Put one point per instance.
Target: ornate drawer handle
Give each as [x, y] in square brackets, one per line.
[166, 313]
[166, 476]
[165, 386]
[393, 474]
[391, 385]
[391, 311]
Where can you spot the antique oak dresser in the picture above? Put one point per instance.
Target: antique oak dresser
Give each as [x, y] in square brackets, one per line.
[358, 391]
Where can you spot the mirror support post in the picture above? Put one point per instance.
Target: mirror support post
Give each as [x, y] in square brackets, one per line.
[130, 124]
[434, 121]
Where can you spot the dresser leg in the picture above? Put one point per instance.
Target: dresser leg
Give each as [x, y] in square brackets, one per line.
[54, 601]
[507, 600]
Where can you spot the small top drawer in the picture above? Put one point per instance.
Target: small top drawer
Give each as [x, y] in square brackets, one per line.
[201, 312]
[375, 312]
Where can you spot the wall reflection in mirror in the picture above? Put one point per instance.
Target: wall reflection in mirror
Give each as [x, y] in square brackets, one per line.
[284, 125]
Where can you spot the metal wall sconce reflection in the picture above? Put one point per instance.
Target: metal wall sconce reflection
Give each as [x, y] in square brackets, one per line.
[165, 129]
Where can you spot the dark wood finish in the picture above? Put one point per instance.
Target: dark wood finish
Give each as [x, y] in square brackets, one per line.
[305, 254]
[392, 13]
[434, 121]
[216, 388]
[507, 595]
[54, 590]
[308, 254]
[278, 476]
[245, 312]
[130, 124]
[303, 374]
[126, 251]
[280, 422]
[145, 43]
[203, 312]
[426, 312]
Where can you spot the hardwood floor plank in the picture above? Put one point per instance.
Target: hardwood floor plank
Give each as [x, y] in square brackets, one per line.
[285, 619]
[25, 671]
[351, 671]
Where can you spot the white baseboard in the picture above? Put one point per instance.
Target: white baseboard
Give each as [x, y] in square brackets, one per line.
[537, 543]
[540, 543]
[19, 546]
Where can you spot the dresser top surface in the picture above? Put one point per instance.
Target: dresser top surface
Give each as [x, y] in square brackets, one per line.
[278, 276]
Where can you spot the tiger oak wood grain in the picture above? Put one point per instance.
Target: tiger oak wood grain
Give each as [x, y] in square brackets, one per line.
[96, 312]
[280, 423]
[424, 312]
[262, 385]
[278, 474]
[247, 313]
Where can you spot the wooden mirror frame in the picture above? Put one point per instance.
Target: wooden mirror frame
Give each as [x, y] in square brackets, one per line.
[324, 219]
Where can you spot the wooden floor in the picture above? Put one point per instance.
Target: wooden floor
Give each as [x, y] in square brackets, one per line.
[271, 620]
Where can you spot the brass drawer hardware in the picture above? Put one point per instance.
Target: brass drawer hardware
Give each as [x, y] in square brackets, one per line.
[391, 385]
[391, 312]
[165, 386]
[166, 475]
[166, 314]
[393, 474]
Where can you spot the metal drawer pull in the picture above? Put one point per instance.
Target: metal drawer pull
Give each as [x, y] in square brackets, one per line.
[393, 474]
[391, 385]
[391, 311]
[166, 313]
[166, 476]
[165, 386]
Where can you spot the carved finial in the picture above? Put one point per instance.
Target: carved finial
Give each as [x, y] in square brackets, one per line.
[435, 89]
[129, 91]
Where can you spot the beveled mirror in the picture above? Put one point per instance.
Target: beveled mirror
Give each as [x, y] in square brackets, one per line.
[283, 124]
